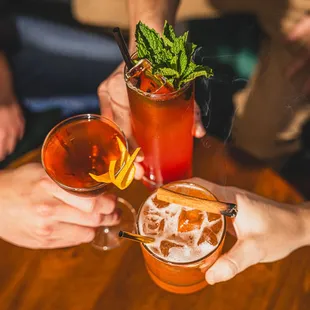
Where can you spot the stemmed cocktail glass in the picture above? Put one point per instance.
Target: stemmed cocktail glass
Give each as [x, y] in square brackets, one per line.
[81, 145]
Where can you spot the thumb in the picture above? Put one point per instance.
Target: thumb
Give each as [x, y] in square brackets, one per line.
[198, 130]
[105, 101]
[244, 254]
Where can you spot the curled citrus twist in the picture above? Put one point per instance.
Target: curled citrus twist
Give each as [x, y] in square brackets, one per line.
[124, 166]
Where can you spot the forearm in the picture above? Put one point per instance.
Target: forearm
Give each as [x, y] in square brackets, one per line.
[151, 12]
[237, 6]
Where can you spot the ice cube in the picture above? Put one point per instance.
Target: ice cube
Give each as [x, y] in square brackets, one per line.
[146, 210]
[155, 250]
[213, 217]
[161, 226]
[153, 226]
[179, 238]
[216, 227]
[141, 66]
[141, 77]
[160, 204]
[207, 235]
[166, 245]
[190, 220]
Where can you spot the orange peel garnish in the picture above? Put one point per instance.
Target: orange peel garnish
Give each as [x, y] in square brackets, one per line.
[126, 172]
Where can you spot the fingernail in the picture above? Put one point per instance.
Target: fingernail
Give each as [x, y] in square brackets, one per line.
[210, 277]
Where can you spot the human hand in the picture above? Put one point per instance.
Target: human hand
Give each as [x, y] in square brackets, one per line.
[301, 33]
[12, 121]
[114, 105]
[36, 213]
[12, 124]
[266, 231]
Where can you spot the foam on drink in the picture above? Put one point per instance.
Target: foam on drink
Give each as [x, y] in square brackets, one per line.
[181, 234]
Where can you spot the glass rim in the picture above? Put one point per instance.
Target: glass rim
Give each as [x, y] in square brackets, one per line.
[156, 97]
[182, 263]
[86, 116]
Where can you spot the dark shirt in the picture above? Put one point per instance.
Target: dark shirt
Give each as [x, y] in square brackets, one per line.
[8, 33]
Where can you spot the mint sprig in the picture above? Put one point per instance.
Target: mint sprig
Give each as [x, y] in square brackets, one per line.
[170, 56]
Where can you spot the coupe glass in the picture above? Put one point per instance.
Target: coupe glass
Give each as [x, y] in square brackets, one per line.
[81, 145]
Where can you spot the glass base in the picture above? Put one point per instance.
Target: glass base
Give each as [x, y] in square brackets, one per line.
[190, 289]
[107, 236]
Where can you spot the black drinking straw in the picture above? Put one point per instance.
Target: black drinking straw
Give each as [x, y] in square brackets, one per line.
[123, 47]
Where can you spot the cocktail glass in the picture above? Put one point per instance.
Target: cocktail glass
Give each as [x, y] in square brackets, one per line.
[162, 122]
[180, 277]
[81, 145]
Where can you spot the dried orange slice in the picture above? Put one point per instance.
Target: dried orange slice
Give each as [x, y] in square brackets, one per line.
[125, 166]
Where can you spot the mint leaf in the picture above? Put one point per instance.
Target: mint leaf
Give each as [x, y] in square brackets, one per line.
[196, 72]
[190, 69]
[190, 48]
[149, 40]
[168, 33]
[177, 46]
[170, 56]
[168, 72]
[183, 61]
[174, 62]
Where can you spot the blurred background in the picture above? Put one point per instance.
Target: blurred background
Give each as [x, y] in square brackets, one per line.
[64, 49]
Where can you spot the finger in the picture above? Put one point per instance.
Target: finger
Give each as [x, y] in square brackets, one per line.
[81, 203]
[66, 214]
[139, 171]
[119, 102]
[65, 235]
[111, 219]
[105, 204]
[105, 102]
[199, 130]
[12, 140]
[19, 121]
[133, 145]
[244, 254]
[230, 226]
[21, 127]
[301, 30]
[3, 144]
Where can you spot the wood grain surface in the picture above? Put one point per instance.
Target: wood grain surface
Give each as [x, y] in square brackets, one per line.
[82, 278]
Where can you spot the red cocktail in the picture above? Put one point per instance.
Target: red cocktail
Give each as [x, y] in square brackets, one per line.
[162, 121]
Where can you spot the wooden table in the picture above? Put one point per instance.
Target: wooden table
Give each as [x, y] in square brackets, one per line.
[82, 278]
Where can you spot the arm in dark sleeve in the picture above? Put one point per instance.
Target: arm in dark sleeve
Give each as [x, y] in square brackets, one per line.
[9, 41]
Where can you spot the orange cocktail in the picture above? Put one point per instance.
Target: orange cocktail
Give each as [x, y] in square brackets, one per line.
[83, 145]
[162, 122]
[187, 241]
[78, 146]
